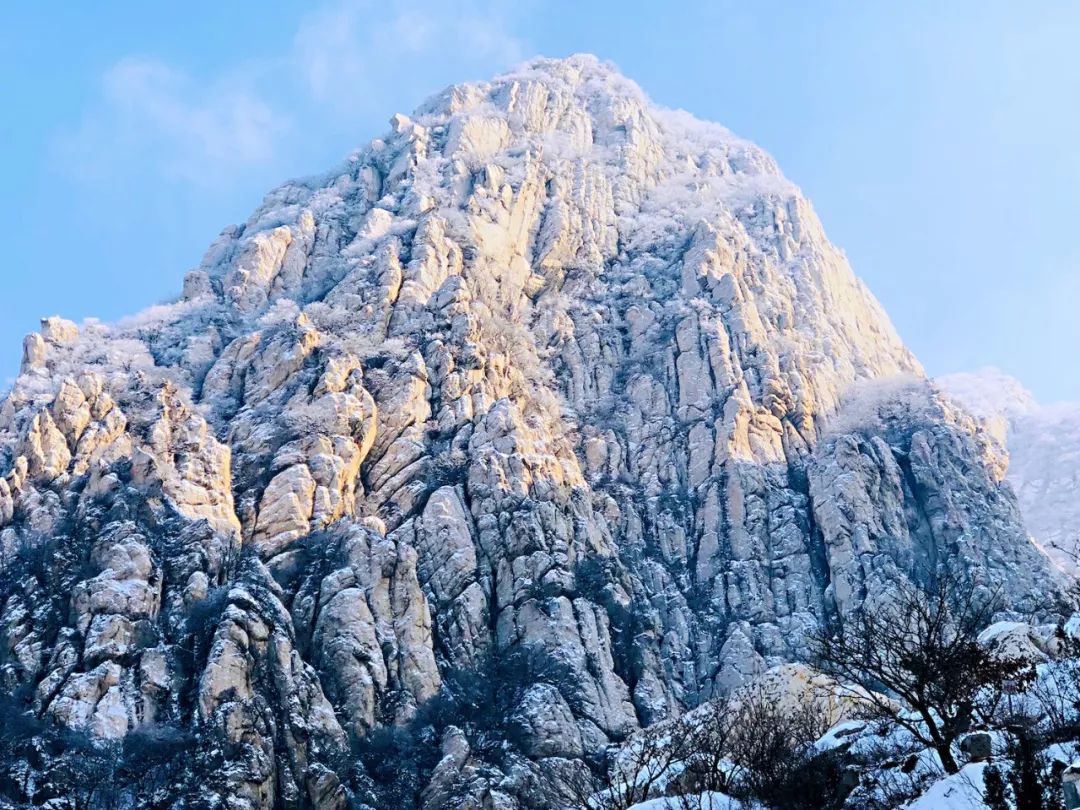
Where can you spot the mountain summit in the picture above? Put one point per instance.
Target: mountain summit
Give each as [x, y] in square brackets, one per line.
[548, 389]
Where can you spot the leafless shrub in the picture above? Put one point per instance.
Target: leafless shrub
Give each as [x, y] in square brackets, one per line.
[639, 771]
[917, 662]
[751, 746]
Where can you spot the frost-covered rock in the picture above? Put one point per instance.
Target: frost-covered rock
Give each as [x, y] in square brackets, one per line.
[1043, 444]
[545, 366]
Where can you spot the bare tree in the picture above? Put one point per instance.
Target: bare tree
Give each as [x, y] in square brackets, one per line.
[750, 746]
[712, 727]
[681, 756]
[1072, 551]
[1057, 693]
[917, 662]
[772, 754]
[640, 770]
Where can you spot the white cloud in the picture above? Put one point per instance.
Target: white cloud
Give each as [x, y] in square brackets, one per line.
[348, 50]
[149, 115]
[329, 51]
[349, 59]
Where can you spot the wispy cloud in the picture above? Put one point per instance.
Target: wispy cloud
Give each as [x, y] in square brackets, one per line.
[348, 50]
[348, 59]
[149, 114]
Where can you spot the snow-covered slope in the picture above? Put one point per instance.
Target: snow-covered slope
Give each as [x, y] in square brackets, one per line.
[544, 368]
[1043, 444]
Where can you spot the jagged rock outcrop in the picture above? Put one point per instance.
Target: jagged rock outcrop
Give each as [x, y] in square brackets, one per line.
[546, 368]
[1043, 447]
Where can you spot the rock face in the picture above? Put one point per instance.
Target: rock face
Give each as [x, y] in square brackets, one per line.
[1043, 446]
[545, 368]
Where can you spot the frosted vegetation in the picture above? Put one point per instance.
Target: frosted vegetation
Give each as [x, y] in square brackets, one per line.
[920, 709]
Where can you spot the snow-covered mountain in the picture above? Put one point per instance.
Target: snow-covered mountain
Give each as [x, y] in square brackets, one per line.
[546, 376]
[1043, 444]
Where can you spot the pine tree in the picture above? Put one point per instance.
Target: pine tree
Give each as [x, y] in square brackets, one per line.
[995, 790]
[1053, 795]
[1034, 784]
[1025, 776]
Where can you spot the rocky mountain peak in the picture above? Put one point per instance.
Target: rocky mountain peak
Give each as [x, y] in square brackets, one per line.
[546, 375]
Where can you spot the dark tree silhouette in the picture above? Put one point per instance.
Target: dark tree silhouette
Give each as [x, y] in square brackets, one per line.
[995, 789]
[916, 661]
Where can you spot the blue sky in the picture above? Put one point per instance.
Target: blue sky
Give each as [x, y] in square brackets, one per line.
[937, 141]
